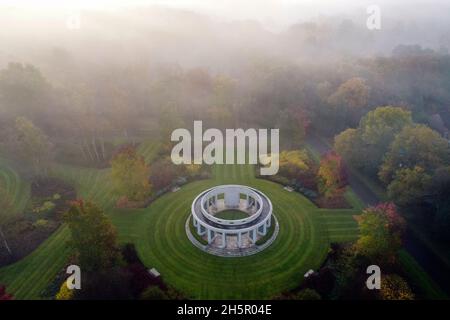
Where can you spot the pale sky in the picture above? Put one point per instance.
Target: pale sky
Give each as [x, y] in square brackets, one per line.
[277, 12]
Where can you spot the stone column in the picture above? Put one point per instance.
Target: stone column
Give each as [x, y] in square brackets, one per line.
[224, 239]
[199, 228]
[264, 229]
[239, 240]
[254, 235]
[210, 235]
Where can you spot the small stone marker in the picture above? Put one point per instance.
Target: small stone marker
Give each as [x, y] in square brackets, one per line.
[288, 189]
[175, 189]
[154, 272]
[309, 273]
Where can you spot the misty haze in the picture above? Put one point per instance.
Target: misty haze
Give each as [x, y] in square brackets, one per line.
[92, 91]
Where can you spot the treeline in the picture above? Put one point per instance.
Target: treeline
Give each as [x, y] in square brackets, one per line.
[127, 101]
[411, 160]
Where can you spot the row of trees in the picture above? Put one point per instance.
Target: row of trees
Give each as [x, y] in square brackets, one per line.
[328, 178]
[134, 180]
[412, 160]
[84, 113]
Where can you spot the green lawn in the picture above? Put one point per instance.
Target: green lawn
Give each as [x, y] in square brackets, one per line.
[159, 235]
[231, 215]
[27, 278]
[420, 278]
[302, 243]
[17, 189]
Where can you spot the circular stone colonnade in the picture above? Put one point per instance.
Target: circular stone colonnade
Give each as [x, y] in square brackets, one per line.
[232, 237]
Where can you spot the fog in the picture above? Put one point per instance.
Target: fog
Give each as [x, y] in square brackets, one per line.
[273, 55]
[92, 93]
[214, 34]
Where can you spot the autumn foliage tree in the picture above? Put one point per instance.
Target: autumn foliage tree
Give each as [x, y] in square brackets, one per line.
[163, 173]
[394, 287]
[130, 174]
[331, 175]
[349, 100]
[4, 295]
[64, 292]
[293, 162]
[353, 93]
[297, 167]
[93, 237]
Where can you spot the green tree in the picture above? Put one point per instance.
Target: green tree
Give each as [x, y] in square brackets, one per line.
[380, 126]
[349, 145]
[366, 146]
[93, 237]
[409, 186]
[23, 91]
[378, 129]
[415, 146]
[292, 124]
[381, 229]
[33, 146]
[130, 174]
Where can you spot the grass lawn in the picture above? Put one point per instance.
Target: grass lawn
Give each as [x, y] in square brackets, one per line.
[353, 199]
[420, 278]
[231, 215]
[28, 278]
[17, 189]
[159, 235]
[302, 243]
